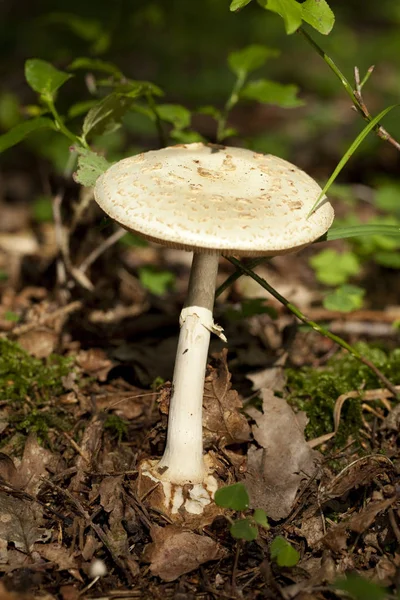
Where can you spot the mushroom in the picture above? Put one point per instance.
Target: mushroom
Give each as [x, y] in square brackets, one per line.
[211, 200]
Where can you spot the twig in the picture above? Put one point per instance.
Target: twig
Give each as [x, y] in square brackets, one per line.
[107, 243]
[335, 338]
[355, 95]
[362, 107]
[99, 532]
[60, 312]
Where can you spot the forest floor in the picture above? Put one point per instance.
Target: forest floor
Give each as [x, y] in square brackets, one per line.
[86, 357]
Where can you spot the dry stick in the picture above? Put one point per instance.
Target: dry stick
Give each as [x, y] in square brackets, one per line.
[335, 338]
[355, 95]
[60, 312]
[107, 243]
[100, 533]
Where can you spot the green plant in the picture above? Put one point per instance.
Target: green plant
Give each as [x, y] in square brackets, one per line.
[235, 497]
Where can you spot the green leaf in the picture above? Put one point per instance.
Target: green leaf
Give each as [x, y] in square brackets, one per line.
[81, 108]
[233, 496]
[334, 268]
[387, 197]
[289, 10]
[283, 552]
[9, 110]
[270, 92]
[44, 78]
[244, 530]
[11, 316]
[352, 231]
[94, 64]
[353, 147]
[390, 260]
[155, 281]
[250, 58]
[90, 167]
[345, 298]
[318, 14]
[176, 114]
[360, 588]
[106, 116]
[260, 517]
[238, 5]
[86, 29]
[21, 131]
[249, 307]
[133, 241]
[42, 209]
[187, 136]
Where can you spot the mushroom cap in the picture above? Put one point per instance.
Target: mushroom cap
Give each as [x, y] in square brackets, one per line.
[215, 199]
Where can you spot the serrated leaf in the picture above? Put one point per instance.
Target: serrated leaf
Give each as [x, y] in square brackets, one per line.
[289, 10]
[21, 131]
[346, 298]
[335, 268]
[260, 517]
[106, 115]
[244, 530]
[43, 77]
[283, 552]
[176, 114]
[270, 92]
[238, 4]
[155, 281]
[318, 14]
[233, 496]
[250, 58]
[94, 64]
[90, 167]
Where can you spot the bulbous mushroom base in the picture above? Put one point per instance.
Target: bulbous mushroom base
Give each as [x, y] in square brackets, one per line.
[189, 504]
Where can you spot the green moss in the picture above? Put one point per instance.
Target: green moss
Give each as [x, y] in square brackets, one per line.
[29, 385]
[117, 427]
[22, 375]
[316, 390]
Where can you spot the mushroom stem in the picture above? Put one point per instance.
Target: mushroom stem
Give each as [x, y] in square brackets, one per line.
[183, 461]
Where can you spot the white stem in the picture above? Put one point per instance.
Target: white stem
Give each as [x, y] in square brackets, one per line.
[183, 461]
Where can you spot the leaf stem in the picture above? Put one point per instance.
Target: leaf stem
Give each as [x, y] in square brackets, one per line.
[297, 312]
[59, 123]
[230, 103]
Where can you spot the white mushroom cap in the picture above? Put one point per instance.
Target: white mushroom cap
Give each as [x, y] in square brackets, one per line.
[215, 199]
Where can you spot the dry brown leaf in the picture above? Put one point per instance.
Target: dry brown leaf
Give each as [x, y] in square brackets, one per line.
[175, 551]
[57, 554]
[33, 466]
[8, 472]
[360, 472]
[272, 378]
[111, 500]
[20, 523]
[223, 423]
[39, 342]
[276, 470]
[89, 449]
[336, 538]
[95, 363]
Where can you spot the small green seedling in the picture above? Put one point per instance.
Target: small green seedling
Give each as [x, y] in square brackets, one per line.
[283, 553]
[236, 497]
